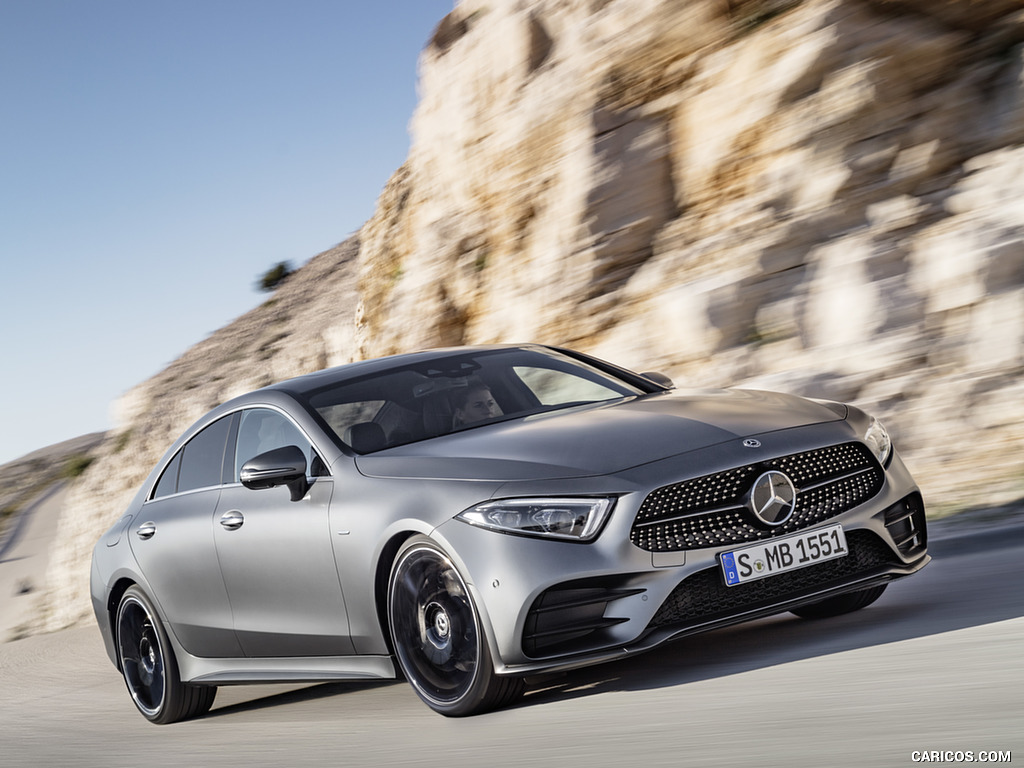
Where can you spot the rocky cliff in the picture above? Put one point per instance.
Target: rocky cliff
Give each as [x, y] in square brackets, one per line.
[820, 196]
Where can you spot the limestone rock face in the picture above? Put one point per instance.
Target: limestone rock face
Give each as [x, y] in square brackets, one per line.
[819, 196]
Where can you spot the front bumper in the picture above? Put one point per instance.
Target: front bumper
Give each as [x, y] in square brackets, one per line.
[551, 605]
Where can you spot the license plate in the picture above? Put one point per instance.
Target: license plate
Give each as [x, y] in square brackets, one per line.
[786, 554]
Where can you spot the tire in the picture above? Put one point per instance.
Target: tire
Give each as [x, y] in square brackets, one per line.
[437, 635]
[148, 665]
[840, 604]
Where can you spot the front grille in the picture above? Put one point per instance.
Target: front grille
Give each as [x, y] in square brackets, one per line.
[704, 596]
[710, 511]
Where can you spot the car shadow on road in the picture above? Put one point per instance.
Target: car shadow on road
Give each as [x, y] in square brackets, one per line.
[974, 579]
[297, 695]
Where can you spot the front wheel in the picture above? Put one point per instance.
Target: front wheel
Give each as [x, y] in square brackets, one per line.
[840, 604]
[435, 628]
[149, 667]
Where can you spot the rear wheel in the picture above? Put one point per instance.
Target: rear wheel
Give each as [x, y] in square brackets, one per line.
[149, 667]
[840, 604]
[435, 628]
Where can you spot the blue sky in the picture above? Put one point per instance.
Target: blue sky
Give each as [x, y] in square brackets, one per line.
[157, 157]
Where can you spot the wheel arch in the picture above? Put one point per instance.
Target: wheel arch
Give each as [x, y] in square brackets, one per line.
[382, 576]
[113, 601]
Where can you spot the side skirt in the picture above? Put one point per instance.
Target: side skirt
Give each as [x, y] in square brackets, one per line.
[286, 670]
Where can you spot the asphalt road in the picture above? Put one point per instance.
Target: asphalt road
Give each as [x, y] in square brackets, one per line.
[936, 665]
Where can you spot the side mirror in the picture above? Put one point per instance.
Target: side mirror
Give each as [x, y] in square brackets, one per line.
[281, 466]
[659, 378]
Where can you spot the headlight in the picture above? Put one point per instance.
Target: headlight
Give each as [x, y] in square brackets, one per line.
[574, 519]
[878, 440]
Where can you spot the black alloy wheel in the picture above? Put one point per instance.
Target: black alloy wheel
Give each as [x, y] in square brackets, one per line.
[437, 635]
[149, 667]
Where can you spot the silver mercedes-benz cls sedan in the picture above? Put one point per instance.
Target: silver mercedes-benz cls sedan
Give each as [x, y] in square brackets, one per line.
[472, 516]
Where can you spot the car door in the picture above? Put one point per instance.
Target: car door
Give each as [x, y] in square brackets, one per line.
[172, 540]
[276, 555]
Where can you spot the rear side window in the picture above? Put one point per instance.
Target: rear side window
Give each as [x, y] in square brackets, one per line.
[202, 458]
[168, 482]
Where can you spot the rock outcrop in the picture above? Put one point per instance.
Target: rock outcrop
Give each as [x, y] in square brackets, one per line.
[820, 196]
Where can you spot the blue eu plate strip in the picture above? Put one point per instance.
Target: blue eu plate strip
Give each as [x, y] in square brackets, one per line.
[729, 564]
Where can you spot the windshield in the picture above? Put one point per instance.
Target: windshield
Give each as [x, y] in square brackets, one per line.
[461, 391]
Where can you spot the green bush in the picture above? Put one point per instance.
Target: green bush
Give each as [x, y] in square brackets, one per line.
[76, 465]
[122, 441]
[8, 511]
[274, 276]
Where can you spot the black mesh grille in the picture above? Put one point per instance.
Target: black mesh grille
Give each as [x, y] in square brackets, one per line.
[710, 511]
[705, 597]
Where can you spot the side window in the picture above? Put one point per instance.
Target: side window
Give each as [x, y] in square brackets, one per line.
[263, 430]
[168, 482]
[202, 458]
[344, 415]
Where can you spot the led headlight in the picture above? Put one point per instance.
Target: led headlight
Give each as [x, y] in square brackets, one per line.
[574, 519]
[878, 440]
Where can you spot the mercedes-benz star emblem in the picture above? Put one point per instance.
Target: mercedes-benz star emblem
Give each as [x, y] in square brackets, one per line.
[751, 443]
[772, 498]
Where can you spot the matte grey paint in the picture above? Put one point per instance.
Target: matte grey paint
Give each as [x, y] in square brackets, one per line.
[616, 435]
[292, 592]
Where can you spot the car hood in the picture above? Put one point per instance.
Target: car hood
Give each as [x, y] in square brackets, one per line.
[597, 439]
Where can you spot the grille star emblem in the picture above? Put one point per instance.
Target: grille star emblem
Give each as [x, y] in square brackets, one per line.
[772, 498]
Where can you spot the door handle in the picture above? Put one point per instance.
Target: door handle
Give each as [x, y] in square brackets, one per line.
[146, 530]
[232, 520]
